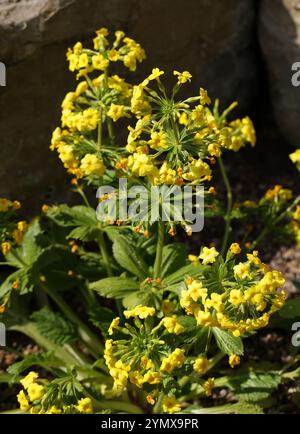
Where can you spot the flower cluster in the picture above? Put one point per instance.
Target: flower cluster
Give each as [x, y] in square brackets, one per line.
[174, 142]
[96, 103]
[32, 398]
[242, 301]
[146, 355]
[12, 229]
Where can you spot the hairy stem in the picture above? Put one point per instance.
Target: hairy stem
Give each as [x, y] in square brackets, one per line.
[227, 218]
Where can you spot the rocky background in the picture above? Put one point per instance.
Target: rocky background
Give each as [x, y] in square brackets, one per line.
[238, 49]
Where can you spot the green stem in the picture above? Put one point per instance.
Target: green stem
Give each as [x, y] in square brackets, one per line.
[83, 195]
[104, 254]
[99, 138]
[106, 260]
[87, 335]
[229, 206]
[157, 407]
[267, 229]
[159, 249]
[110, 129]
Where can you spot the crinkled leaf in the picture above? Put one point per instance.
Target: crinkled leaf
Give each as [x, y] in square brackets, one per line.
[114, 287]
[228, 343]
[54, 326]
[173, 258]
[128, 257]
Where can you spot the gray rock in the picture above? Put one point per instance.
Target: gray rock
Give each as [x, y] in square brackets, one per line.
[279, 35]
[214, 40]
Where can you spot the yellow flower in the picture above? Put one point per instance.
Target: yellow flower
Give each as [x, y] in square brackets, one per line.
[296, 214]
[158, 140]
[234, 360]
[167, 175]
[141, 311]
[17, 236]
[16, 204]
[113, 55]
[91, 165]
[83, 60]
[136, 378]
[81, 88]
[22, 226]
[204, 98]
[214, 149]
[172, 325]
[208, 255]
[242, 270]
[23, 401]
[193, 259]
[4, 205]
[183, 77]
[114, 324]
[99, 62]
[116, 112]
[35, 391]
[142, 165]
[236, 297]
[65, 153]
[235, 248]
[29, 379]
[85, 405]
[183, 119]
[200, 365]
[248, 130]
[295, 158]
[198, 170]
[156, 73]
[196, 291]
[54, 410]
[152, 377]
[170, 405]
[146, 363]
[208, 386]
[174, 360]
[6, 248]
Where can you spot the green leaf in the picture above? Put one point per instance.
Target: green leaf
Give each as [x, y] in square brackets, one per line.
[79, 215]
[228, 343]
[186, 271]
[254, 386]
[114, 287]
[31, 246]
[54, 326]
[84, 233]
[101, 317]
[140, 297]
[44, 360]
[127, 256]
[22, 277]
[291, 309]
[173, 258]
[236, 408]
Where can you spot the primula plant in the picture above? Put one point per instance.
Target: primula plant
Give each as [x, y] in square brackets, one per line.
[125, 318]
